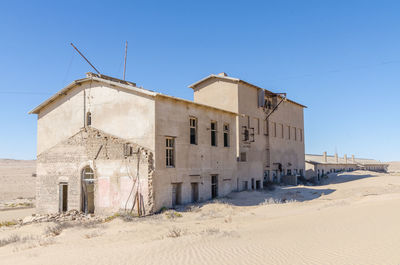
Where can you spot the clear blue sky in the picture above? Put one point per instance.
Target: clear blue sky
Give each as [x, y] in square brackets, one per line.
[340, 58]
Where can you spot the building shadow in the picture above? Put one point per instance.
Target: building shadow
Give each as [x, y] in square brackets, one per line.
[281, 194]
[342, 178]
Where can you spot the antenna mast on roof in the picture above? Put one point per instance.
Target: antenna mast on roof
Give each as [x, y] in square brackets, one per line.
[85, 58]
[126, 51]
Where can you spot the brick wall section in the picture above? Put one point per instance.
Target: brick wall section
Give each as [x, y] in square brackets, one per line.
[116, 173]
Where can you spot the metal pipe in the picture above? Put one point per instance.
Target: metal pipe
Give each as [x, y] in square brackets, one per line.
[85, 58]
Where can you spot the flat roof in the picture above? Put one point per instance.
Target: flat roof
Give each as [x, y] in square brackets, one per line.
[330, 159]
[228, 78]
[118, 83]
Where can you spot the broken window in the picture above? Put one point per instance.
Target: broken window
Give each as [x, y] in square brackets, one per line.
[247, 134]
[226, 135]
[213, 133]
[169, 151]
[295, 133]
[288, 134]
[88, 119]
[193, 130]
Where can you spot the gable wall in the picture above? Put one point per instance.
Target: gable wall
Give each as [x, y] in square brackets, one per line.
[121, 112]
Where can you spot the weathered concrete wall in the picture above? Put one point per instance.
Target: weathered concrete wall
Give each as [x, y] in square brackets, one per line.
[116, 175]
[193, 163]
[218, 93]
[287, 150]
[243, 98]
[116, 110]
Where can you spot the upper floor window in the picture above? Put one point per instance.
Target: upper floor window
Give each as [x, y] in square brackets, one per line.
[288, 132]
[88, 119]
[193, 130]
[226, 135]
[213, 133]
[266, 127]
[169, 151]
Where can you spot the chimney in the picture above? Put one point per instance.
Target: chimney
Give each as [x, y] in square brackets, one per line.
[336, 158]
[325, 158]
[223, 74]
[352, 159]
[345, 159]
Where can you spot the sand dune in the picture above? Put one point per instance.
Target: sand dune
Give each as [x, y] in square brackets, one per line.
[350, 219]
[16, 179]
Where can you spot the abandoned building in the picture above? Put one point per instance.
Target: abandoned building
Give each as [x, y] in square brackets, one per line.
[104, 144]
[321, 165]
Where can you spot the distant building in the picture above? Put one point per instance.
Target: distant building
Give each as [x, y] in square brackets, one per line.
[320, 165]
[104, 144]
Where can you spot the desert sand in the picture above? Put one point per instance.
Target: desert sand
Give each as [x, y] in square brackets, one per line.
[352, 218]
[16, 180]
[394, 166]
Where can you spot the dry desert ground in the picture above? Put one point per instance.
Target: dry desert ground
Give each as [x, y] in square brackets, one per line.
[352, 218]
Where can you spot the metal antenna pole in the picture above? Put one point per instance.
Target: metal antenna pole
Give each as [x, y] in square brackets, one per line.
[85, 58]
[126, 51]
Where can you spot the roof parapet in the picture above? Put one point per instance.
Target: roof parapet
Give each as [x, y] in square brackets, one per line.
[109, 78]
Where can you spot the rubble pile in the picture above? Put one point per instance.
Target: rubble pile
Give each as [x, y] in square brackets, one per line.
[72, 215]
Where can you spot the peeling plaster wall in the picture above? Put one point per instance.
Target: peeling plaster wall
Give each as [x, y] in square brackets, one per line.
[115, 175]
[119, 111]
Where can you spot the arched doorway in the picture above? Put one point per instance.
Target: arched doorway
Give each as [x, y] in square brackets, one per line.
[87, 190]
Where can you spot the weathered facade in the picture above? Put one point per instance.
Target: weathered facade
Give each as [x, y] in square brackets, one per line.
[94, 169]
[270, 128]
[320, 165]
[106, 145]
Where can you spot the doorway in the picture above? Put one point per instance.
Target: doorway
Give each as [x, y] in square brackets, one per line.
[258, 184]
[214, 186]
[63, 202]
[176, 194]
[195, 192]
[87, 190]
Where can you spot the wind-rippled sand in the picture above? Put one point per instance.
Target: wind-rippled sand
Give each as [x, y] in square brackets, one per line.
[353, 218]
